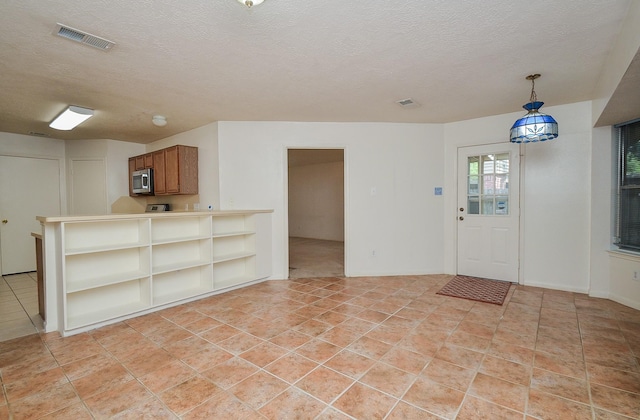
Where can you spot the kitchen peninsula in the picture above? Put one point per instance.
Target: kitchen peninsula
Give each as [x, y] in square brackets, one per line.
[99, 270]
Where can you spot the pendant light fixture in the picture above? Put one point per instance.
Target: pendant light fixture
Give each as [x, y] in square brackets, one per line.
[534, 126]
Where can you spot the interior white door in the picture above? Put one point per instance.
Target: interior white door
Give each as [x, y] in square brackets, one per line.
[488, 211]
[88, 187]
[29, 187]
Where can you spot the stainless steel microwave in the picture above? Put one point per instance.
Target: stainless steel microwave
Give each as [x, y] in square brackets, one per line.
[142, 181]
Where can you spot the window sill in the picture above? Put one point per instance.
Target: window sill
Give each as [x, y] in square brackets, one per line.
[624, 254]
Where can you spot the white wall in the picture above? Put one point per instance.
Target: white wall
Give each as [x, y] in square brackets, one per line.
[205, 138]
[600, 227]
[118, 154]
[611, 271]
[115, 154]
[31, 146]
[37, 147]
[316, 201]
[626, 48]
[623, 288]
[555, 195]
[402, 223]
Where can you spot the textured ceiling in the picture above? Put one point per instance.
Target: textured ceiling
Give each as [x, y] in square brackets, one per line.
[199, 61]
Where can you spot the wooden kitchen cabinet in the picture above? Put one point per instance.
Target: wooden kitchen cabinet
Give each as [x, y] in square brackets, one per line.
[148, 160]
[132, 168]
[179, 174]
[159, 184]
[175, 170]
[144, 161]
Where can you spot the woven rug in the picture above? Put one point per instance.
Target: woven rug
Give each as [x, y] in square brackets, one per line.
[475, 288]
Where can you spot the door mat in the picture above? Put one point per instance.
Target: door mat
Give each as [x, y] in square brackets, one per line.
[478, 289]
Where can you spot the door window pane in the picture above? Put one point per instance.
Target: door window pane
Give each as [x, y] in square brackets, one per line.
[488, 184]
[487, 205]
[502, 184]
[474, 165]
[502, 205]
[473, 185]
[487, 164]
[502, 163]
[473, 205]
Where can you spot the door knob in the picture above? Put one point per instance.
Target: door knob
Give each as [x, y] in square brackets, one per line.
[461, 208]
[5, 221]
[461, 218]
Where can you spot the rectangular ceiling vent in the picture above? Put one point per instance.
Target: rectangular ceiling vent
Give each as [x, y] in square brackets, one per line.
[408, 103]
[83, 37]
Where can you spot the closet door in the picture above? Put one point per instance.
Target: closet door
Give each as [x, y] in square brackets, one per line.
[29, 187]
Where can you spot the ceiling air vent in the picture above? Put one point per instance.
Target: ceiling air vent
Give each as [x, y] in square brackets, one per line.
[83, 37]
[408, 103]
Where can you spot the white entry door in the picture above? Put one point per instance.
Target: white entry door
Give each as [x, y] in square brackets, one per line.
[29, 187]
[488, 211]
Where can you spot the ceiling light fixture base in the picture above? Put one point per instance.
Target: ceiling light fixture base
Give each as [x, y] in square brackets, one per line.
[250, 3]
[159, 120]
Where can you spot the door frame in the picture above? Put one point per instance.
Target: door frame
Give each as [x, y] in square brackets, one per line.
[286, 202]
[521, 183]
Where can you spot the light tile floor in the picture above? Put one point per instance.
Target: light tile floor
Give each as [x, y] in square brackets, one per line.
[339, 348]
[315, 258]
[19, 306]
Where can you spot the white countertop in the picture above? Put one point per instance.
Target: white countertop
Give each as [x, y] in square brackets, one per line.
[115, 216]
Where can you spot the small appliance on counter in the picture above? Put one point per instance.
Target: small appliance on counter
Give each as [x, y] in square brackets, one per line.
[157, 208]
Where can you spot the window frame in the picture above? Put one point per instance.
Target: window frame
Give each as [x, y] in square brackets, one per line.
[622, 186]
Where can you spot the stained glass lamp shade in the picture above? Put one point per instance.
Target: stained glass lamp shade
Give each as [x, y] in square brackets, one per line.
[534, 125]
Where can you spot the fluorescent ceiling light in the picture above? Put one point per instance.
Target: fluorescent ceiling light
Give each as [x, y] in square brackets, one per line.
[71, 118]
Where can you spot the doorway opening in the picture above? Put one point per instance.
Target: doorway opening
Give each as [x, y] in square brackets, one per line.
[316, 212]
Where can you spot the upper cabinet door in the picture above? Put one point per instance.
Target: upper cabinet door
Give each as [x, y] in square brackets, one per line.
[159, 176]
[148, 160]
[139, 162]
[172, 169]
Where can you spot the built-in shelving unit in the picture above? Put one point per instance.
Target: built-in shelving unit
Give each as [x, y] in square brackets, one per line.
[234, 249]
[91, 276]
[112, 268]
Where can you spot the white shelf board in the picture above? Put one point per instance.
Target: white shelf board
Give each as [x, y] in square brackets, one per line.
[94, 249]
[179, 240]
[234, 256]
[167, 268]
[238, 233]
[104, 281]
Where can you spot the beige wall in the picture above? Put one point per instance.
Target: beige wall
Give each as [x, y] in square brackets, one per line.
[316, 201]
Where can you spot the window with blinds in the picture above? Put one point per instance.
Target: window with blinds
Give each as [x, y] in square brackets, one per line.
[627, 228]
